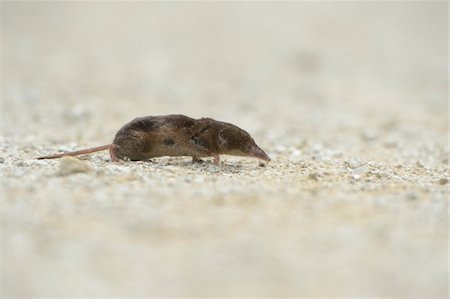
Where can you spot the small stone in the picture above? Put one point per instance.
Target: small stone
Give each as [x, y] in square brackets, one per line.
[2, 160]
[296, 152]
[443, 181]
[317, 147]
[19, 163]
[213, 168]
[352, 164]
[390, 143]
[304, 164]
[124, 178]
[71, 165]
[337, 154]
[378, 174]
[356, 177]
[361, 170]
[412, 196]
[313, 176]
[369, 135]
[302, 144]
[280, 148]
[323, 158]
[199, 180]
[261, 164]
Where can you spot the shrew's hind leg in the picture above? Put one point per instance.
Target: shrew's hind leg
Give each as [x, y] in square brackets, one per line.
[112, 153]
[130, 145]
[216, 159]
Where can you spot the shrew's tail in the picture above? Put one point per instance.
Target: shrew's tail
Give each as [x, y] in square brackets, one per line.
[80, 152]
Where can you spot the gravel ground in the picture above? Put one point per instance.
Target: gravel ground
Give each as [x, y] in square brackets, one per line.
[349, 99]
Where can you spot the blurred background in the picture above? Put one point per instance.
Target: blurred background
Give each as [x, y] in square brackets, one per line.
[320, 82]
[281, 65]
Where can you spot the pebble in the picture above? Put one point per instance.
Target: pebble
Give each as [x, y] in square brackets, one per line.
[390, 143]
[70, 165]
[19, 163]
[369, 135]
[280, 148]
[199, 179]
[361, 170]
[313, 176]
[356, 177]
[412, 196]
[213, 168]
[296, 152]
[352, 164]
[304, 164]
[378, 174]
[443, 181]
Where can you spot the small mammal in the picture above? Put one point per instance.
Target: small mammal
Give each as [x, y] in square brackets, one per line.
[176, 135]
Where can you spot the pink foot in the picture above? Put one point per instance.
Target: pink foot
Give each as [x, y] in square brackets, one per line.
[216, 159]
[112, 153]
[196, 160]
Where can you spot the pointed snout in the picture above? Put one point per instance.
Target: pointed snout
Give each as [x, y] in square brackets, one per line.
[256, 152]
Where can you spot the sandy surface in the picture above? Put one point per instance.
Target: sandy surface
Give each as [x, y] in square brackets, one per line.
[349, 100]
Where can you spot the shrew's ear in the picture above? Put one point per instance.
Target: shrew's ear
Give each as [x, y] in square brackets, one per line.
[224, 137]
